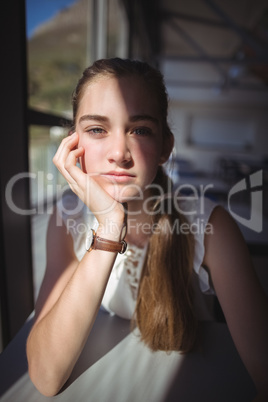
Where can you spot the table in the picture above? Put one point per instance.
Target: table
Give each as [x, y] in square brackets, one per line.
[115, 366]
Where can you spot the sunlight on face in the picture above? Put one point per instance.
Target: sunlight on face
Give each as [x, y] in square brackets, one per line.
[119, 128]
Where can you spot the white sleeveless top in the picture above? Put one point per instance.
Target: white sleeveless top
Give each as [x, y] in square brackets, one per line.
[121, 291]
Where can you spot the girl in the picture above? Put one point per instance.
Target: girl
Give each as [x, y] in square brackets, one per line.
[122, 139]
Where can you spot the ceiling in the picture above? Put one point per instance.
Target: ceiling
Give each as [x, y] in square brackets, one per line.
[210, 43]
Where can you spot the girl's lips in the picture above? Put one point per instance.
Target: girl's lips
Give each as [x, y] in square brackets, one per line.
[118, 177]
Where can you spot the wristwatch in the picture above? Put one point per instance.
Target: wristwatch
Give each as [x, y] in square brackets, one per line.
[94, 242]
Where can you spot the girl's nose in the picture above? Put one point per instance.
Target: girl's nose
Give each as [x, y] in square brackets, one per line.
[119, 151]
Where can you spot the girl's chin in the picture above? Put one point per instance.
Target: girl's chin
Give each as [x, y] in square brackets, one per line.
[126, 198]
[124, 195]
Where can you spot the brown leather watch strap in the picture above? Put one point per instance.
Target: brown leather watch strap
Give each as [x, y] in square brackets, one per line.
[94, 242]
[109, 245]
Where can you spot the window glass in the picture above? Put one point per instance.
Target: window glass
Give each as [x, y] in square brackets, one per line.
[57, 51]
[117, 30]
[63, 37]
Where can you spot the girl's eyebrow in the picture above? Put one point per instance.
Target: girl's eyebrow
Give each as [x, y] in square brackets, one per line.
[95, 117]
[133, 119]
[140, 117]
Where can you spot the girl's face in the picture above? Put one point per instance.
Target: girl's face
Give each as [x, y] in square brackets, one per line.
[119, 128]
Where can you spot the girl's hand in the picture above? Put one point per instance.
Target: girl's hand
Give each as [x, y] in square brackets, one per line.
[106, 209]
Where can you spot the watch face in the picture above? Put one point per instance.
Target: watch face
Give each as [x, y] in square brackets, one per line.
[89, 239]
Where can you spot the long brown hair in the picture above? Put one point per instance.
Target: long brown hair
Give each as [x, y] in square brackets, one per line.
[164, 311]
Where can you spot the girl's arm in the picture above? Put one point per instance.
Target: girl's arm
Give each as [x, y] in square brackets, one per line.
[66, 309]
[240, 294]
[71, 292]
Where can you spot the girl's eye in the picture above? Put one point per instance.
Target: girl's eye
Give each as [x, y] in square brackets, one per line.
[96, 131]
[142, 131]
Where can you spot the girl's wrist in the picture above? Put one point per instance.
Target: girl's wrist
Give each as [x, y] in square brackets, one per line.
[112, 230]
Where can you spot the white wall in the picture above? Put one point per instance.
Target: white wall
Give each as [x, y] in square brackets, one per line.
[204, 158]
[244, 105]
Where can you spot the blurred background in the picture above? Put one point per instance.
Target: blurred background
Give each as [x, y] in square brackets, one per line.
[214, 57]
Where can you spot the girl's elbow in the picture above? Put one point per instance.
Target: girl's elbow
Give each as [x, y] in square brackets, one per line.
[45, 386]
[44, 380]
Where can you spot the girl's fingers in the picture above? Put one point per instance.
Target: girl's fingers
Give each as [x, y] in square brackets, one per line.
[72, 157]
[71, 139]
[66, 157]
[74, 172]
[85, 186]
[65, 147]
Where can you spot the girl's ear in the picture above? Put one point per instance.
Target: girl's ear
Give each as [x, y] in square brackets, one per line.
[168, 145]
